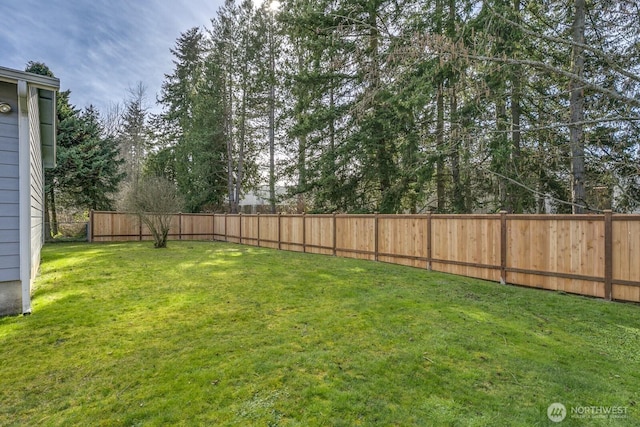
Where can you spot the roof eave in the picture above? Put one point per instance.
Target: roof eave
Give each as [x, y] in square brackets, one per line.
[41, 82]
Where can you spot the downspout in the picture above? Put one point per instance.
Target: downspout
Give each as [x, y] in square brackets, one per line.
[24, 174]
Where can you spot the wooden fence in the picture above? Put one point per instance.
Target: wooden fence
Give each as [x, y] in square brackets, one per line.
[595, 255]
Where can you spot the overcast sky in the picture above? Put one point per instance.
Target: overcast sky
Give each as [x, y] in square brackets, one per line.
[99, 49]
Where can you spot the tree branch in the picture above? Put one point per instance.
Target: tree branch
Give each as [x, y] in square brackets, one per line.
[555, 70]
[602, 54]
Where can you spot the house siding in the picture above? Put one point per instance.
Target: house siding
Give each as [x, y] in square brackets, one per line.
[10, 297]
[37, 182]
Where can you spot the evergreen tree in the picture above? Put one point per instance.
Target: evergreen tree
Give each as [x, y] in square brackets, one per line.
[88, 171]
[179, 88]
[134, 138]
[238, 49]
[201, 155]
[393, 106]
[195, 155]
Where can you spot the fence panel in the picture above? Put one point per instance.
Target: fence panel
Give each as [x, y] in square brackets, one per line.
[233, 228]
[250, 233]
[319, 234]
[219, 227]
[355, 236]
[559, 253]
[403, 240]
[110, 226]
[196, 227]
[467, 246]
[269, 231]
[626, 257]
[291, 233]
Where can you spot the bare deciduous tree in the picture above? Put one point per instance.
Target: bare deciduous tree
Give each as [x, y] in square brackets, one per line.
[154, 200]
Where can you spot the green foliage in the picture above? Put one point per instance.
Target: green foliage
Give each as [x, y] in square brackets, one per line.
[162, 163]
[134, 136]
[87, 173]
[399, 106]
[39, 68]
[218, 334]
[88, 169]
[194, 123]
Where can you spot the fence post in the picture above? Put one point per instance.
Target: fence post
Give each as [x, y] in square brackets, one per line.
[429, 257]
[226, 235]
[375, 239]
[279, 230]
[240, 221]
[180, 226]
[90, 227]
[608, 255]
[258, 214]
[503, 247]
[304, 232]
[334, 234]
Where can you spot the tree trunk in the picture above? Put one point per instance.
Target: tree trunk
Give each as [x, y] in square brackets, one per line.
[54, 213]
[382, 161]
[501, 128]
[241, 144]
[47, 219]
[272, 121]
[229, 136]
[515, 201]
[454, 144]
[440, 149]
[458, 193]
[576, 134]
[302, 138]
[302, 172]
[440, 187]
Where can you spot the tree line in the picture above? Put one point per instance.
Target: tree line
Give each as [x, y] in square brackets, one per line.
[400, 106]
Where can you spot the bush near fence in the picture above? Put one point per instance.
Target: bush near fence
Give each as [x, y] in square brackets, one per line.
[594, 255]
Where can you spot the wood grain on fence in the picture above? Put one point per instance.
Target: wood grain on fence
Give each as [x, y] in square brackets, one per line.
[319, 234]
[626, 258]
[594, 255]
[467, 246]
[355, 236]
[291, 233]
[560, 253]
[195, 227]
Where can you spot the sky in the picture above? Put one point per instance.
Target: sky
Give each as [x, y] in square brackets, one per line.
[100, 49]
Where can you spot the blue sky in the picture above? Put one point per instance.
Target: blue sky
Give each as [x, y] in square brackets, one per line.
[99, 49]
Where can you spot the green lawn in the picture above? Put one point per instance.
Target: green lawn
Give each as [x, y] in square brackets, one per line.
[220, 334]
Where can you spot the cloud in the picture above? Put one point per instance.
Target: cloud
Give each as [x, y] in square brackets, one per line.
[99, 49]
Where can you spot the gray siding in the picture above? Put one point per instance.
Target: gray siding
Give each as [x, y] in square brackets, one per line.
[37, 181]
[9, 188]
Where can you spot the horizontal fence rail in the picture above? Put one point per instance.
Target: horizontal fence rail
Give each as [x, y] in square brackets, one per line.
[594, 255]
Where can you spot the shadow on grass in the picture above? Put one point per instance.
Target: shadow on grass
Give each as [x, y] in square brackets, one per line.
[248, 335]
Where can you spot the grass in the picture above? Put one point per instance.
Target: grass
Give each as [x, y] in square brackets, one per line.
[219, 334]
